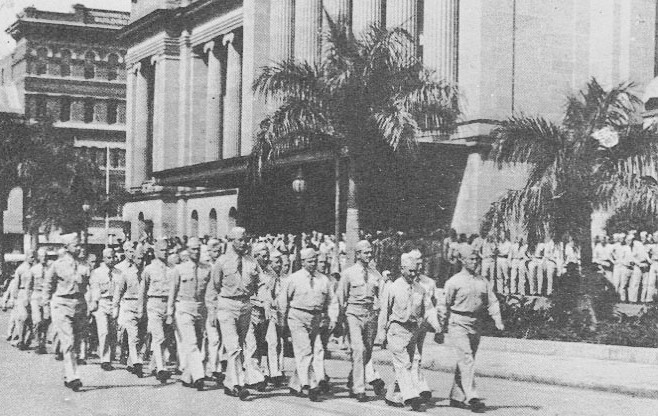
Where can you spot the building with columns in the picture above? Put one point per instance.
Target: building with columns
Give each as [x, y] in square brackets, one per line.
[69, 67]
[192, 115]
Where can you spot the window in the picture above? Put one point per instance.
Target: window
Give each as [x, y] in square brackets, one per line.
[41, 107]
[117, 158]
[89, 111]
[41, 67]
[194, 224]
[112, 107]
[2, 77]
[212, 223]
[90, 65]
[65, 109]
[65, 63]
[112, 67]
[101, 156]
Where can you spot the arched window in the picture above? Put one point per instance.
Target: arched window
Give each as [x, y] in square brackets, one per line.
[65, 63]
[90, 65]
[41, 66]
[65, 109]
[212, 223]
[89, 111]
[112, 67]
[194, 224]
[141, 225]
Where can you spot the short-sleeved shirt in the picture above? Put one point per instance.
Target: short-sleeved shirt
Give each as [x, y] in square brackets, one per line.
[236, 275]
[67, 277]
[157, 279]
[355, 289]
[307, 292]
[102, 282]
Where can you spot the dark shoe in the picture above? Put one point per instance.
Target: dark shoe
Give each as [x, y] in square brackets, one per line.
[426, 396]
[41, 351]
[80, 361]
[361, 397]
[296, 393]
[379, 387]
[458, 404]
[130, 369]
[314, 395]
[107, 367]
[243, 393]
[392, 403]
[261, 387]
[476, 406]
[74, 385]
[178, 372]
[231, 392]
[162, 376]
[59, 356]
[198, 385]
[21, 346]
[415, 403]
[279, 381]
[138, 371]
[186, 384]
[218, 377]
[324, 385]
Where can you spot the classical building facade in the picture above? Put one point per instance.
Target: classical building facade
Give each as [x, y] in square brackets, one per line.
[69, 68]
[192, 114]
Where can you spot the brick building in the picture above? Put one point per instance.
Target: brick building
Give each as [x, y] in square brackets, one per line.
[70, 68]
[192, 115]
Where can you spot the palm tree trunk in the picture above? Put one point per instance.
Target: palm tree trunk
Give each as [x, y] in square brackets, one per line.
[3, 267]
[337, 198]
[352, 220]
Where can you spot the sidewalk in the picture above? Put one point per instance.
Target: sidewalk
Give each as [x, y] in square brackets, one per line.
[637, 379]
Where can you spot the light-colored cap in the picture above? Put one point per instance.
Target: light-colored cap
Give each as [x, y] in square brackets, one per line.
[193, 242]
[308, 253]
[160, 244]
[643, 234]
[416, 254]
[362, 245]
[128, 245]
[275, 254]
[70, 238]
[213, 242]
[236, 232]
[258, 247]
[108, 252]
[407, 260]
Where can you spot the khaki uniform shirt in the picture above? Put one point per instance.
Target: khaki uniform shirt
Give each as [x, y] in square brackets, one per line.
[467, 298]
[189, 281]
[359, 286]
[23, 279]
[102, 282]
[311, 293]
[67, 277]
[406, 303]
[129, 286]
[236, 276]
[157, 282]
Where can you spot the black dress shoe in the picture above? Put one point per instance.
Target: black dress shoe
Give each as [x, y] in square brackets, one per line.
[41, 351]
[81, 361]
[186, 384]
[426, 395]
[260, 387]
[392, 403]
[218, 377]
[74, 385]
[59, 356]
[324, 385]
[415, 403]
[138, 370]
[314, 395]
[130, 369]
[243, 393]
[231, 392]
[379, 387]
[361, 397]
[162, 376]
[198, 385]
[21, 346]
[476, 406]
[458, 404]
[107, 367]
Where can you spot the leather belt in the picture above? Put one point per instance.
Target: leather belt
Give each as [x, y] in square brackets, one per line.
[130, 299]
[312, 312]
[241, 297]
[71, 296]
[469, 314]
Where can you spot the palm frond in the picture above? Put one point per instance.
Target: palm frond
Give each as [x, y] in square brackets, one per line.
[397, 127]
[290, 79]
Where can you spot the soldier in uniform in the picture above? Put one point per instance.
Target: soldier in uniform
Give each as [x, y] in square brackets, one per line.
[21, 298]
[64, 288]
[359, 302]
[39, 321]
[189, 281]
[519, 272]
[306, 302]
[275, 329]
[214, 347]
[128, 308]
[101, 285]
[502, 264]
[235, 276]
[157, 285]
[406, 306]
[468, 299]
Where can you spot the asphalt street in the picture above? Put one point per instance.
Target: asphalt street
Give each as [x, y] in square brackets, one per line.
[33, 385]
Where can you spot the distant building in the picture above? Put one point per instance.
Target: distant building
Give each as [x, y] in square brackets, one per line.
[192, 114]
[70, 67]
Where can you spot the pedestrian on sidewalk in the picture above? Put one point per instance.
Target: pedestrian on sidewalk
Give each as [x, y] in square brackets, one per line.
[469, 298]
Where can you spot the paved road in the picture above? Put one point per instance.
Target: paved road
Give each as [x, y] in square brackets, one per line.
[32, 385]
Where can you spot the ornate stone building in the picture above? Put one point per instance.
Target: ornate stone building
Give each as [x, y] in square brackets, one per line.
[69, 67]
[192, 114]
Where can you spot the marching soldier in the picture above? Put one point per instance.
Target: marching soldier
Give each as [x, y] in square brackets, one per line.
[214, 347]
[235, 276]
[157, 285]
[189, 281]
[275, 329]
[102, 286]
[503, 264]
[468, 299]
[128, 308]
[519, 272]
[358, 301]
[305, 302]
[64, 289]
[21, 299]
[39, 321]
[406, 306]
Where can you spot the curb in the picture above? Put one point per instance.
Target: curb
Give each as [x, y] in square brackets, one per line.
[435, 365]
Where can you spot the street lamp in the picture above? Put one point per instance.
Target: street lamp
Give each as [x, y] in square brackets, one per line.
[299, 188]
[86, 208]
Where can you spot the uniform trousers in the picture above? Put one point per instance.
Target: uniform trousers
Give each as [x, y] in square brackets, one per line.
[416, 364]
[502, 275]
[650, 293]
[255, 346]
[22, 314]
[465, 341]
[362, 327]
[128, 322]
[307, 346]
[518, 276]
[234, 316]
[534, 275]
[549, 269]
[105, 329]
[489, 268]
[70, 321]
[190, 323]
[625, 274]
[275, 340]
[402, 341]
[637, 279]
[39, 322]
[156, 309]
[213, 342]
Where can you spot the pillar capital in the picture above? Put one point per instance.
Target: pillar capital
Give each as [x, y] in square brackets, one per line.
[209, 47]
[156, 58]
[228, 38]
[135, 68]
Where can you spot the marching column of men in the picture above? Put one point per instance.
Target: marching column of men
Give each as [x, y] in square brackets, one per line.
[241, 306]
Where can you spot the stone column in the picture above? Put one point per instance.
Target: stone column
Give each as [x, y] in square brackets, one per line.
[165, 111]
[233, 99]
[140, 130]
[130, 124]
[366, 13]
[308, 30]
[282, 28]
[403, 13]
[214, 104]
[183, 149]
[440, 38]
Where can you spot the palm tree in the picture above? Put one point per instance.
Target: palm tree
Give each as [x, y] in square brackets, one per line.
[599, 157]
[366, 96]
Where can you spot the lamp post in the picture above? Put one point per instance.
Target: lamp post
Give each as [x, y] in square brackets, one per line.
[299, 188]
[86, 208]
